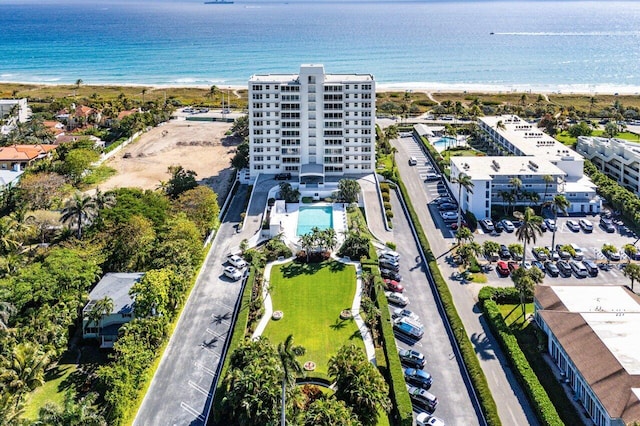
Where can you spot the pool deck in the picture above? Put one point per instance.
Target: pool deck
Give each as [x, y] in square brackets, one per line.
[289, 220]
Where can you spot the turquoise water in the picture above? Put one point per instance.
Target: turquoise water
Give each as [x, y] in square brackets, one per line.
[444, 143]
[311, 217]
[507, 45]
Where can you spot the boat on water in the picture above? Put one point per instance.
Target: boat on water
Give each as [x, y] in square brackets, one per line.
[219, 2]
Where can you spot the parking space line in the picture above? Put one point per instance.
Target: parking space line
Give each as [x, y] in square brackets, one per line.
[199, 388]
[189, 409]
[205, 369]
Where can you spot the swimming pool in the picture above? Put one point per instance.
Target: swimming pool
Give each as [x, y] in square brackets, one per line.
[443, 143]
[310, 217]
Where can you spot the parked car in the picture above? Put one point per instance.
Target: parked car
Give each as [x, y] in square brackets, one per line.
[447, 207]
[430, 177]
[553, 255]
[443, 200]
[551, 268]
[502, 268]
[607, 224]
[515, 255]
[592, 269]
[233, 273]
[412, 358]
[237, 261]
[612, 255]
[564, 267]
[283, 176]
[389, 264]
[564, 255]
[539, 253]
[396, 298]
[527, 265]
[579, 255]
[573, 225]
[422, 398]
[449, 216]
[392, 275]
[463, 224]
[418, 378]
[389, 254]
[493, 257]
[508, 225]
[579, 270]
[538, 264]
[405, 313]
[487, 225]
[408, 328]
[425, 419]
[513, 266]
[499, 227]
[586, 225]
[504, 252]
[392, 285]
[413, 161]
[551, 224]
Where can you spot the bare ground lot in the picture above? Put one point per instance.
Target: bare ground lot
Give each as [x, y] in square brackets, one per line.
[199, 146]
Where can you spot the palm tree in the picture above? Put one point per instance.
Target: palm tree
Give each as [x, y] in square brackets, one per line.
[78, 211]
[500, 125]
[592, 101]
[25, 367]
[548, 180]
[103, 200]
[73, 413]
[290, 369]
[78, 84]
[463, 181]
[529, 230]
[452, 132]
[508, 198]
[8, 235]
[516, 184]
[632, 271]
[464, 235]
[558, 204]
[524, 283]
[101, 308]
[144, 92]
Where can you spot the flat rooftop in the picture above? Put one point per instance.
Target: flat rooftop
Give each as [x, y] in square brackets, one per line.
[613, 314]
[530, 139]
[489, 167]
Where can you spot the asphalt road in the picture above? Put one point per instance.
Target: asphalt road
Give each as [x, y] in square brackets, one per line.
[454, 402]
[182, 386]
[513, 406]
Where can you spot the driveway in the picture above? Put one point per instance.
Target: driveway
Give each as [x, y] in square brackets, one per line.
[454, 401]
[182, 387]
[513, 406]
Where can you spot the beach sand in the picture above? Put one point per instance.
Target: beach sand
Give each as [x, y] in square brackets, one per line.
[198, 146]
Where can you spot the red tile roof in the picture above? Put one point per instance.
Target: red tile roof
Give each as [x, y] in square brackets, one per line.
[24, 152]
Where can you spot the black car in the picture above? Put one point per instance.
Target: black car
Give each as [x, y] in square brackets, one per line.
[412, 358]
[392, 275]
[504, 252]
[607, 225]
[418, 378]
[592, 269]
[447, 207]
[389, 264]
[283, 176]
[551, 269]
[443, 200]
[564, 268]
[499, 227]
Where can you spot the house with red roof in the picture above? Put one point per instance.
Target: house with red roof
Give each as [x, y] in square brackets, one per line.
[18, 157]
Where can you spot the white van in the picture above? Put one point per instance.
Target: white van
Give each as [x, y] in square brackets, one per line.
[413, 161]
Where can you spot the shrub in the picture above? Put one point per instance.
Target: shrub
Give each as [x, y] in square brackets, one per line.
[386, 197]
[474, 266]
[387, 206]
[389, 214]
[472, 221]
[391, 245]
[501, 295]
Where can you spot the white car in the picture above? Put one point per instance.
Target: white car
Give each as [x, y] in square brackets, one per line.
[237, 261]
[397, 298]
[405, 313]
[508, 225]
[233, 273]
[573, 225]
[426, 419]
[450, 215]
[389, 254]
[586, 225]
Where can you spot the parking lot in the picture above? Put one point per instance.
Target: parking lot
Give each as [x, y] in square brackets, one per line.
[590, 242]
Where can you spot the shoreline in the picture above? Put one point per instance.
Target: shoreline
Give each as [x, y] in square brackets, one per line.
[425, 87]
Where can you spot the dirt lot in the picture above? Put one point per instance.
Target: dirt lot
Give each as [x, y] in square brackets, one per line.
[198, 146]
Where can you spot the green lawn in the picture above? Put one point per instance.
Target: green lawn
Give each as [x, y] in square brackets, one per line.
[311, 298]
[57, 382]
[461, 153]
[570, 141]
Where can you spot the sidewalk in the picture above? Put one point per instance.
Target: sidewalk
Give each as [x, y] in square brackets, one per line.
[373, 209]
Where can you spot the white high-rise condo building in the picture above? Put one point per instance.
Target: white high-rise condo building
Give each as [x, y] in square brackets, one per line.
[312, 124]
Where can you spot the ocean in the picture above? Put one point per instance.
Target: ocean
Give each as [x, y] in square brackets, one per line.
[567, 46]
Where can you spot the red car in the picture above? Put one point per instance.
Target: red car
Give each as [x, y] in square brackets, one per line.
[393, 285]
[513, 266]
[454, 225]
[502, 268]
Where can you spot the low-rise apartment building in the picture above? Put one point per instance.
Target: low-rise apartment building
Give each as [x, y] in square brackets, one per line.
[543, 166]
[593, 334]
[312, 124]
[617, 158]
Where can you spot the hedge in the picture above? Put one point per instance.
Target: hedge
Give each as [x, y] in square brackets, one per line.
[501, 295]
[544, 408]
[478, 379]
[402, 409]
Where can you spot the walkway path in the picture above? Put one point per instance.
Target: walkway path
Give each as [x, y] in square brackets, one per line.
[373, 209]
